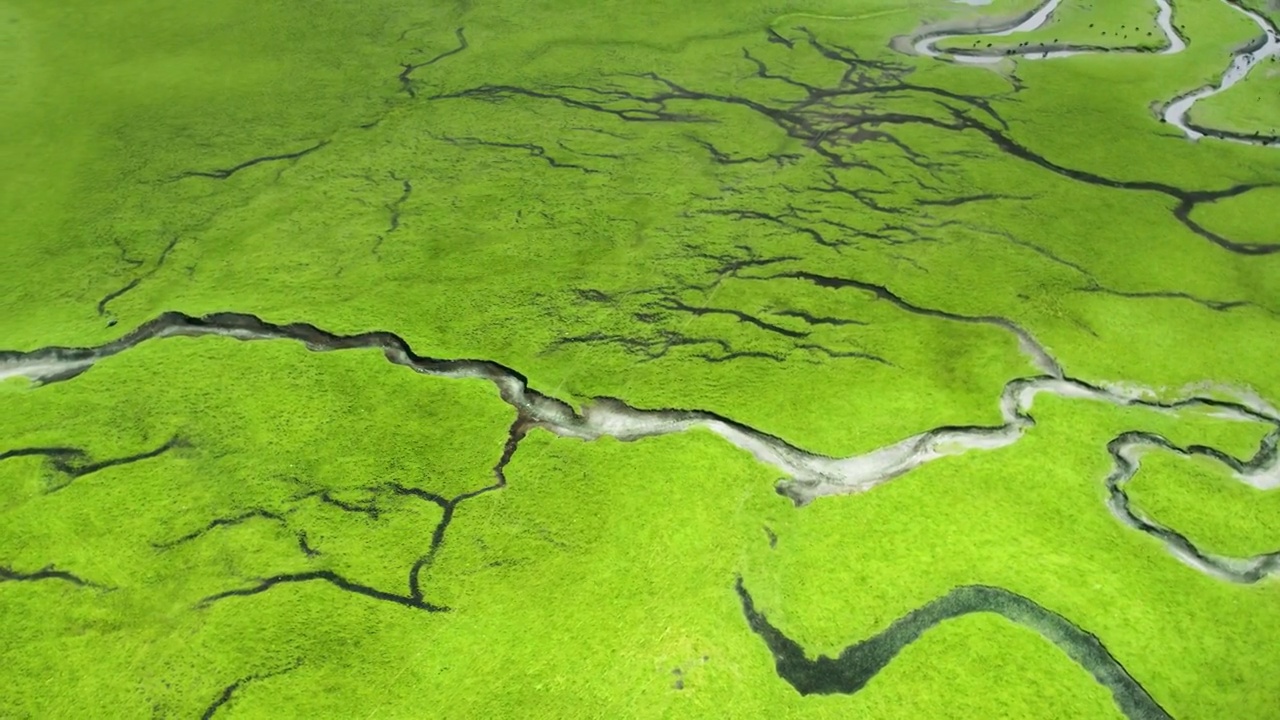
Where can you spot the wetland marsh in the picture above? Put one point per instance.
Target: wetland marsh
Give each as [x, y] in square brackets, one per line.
[576, 359]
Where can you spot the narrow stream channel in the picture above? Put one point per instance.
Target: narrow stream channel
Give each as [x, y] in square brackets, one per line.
[808, 475]
[1175, 113]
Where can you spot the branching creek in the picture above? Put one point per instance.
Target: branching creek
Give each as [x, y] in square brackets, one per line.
[1174, 111]
[808, 476]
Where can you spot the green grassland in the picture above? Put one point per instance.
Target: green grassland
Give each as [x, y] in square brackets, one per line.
[369, 167]
[301, 247]
[263, 425]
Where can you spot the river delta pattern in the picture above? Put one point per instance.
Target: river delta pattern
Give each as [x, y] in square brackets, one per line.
[874, 101]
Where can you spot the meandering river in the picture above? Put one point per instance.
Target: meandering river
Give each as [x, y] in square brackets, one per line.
[1175, 111]
[807, 475]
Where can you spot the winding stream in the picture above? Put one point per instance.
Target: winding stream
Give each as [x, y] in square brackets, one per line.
[808, 476]
[857, 664]
[927, 44]
[1175, 111]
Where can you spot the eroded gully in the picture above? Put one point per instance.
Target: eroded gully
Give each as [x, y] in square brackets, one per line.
[808, 475]
[1174, 111]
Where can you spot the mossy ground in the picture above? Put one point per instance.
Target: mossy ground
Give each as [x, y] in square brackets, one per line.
[603, 566]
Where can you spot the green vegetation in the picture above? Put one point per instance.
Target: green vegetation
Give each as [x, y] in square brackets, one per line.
[1040, 529]
[595, 550]
[263, 427]
[1219, 514]
[301, 247]
[1252, 105]
[804, 232]
[1232, 215]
